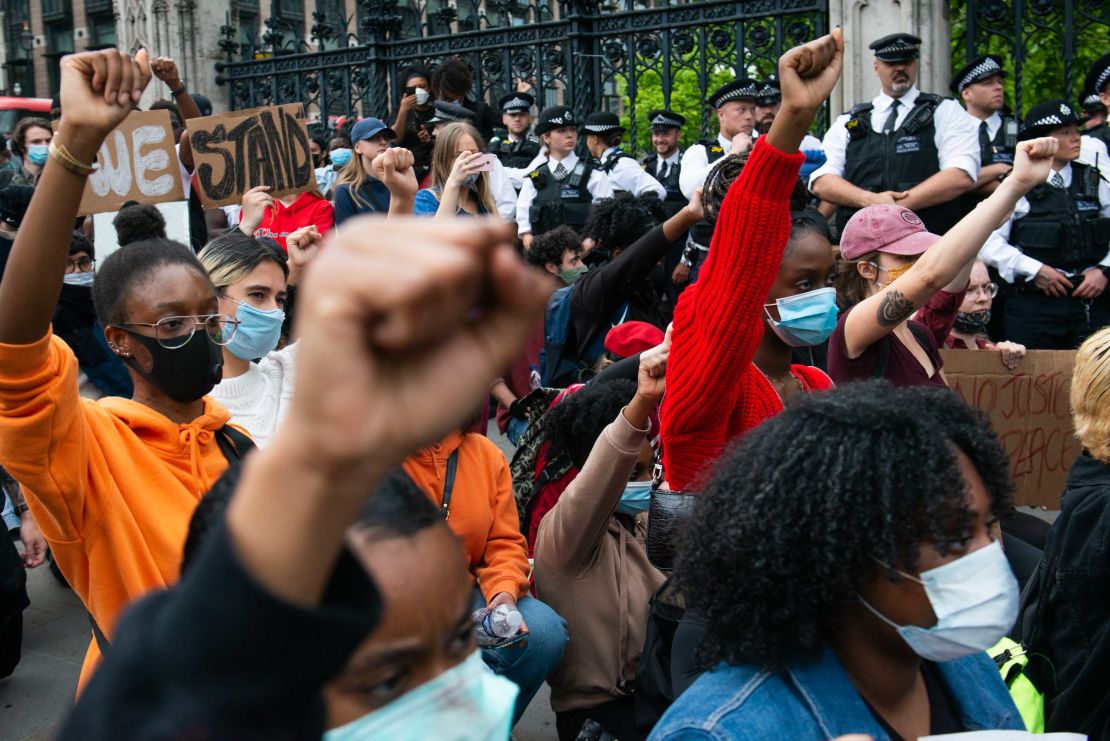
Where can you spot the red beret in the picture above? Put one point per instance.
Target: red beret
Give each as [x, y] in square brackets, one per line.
[625, 340]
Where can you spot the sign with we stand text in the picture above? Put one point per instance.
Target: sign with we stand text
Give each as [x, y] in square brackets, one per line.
[240, 150]
[136, 162]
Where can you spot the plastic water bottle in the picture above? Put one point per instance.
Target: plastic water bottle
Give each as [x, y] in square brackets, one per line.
[493, 626]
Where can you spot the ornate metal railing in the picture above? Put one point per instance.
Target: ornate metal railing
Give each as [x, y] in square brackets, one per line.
[1048, 45]
[580, 53]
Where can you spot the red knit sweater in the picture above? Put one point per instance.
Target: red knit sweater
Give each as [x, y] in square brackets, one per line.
[714, 392]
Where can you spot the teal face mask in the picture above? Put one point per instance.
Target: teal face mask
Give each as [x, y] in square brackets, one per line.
[636, 498]
[467, 701]
[340, 156]
[806, 319]
[38, 153]
[258, 333]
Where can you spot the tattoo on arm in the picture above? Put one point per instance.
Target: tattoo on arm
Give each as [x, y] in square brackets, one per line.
[894, 309]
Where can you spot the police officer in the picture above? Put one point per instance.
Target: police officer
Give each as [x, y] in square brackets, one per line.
[1053, 252]
[767, 106]
[446, 113]
[604, 133]
[519, 148]
[663, 164]
[561, 190]
[918, 150]
[735, 105]
[979, 84]
[1098, 83]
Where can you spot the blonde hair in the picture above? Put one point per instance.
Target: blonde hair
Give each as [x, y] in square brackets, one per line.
[443, 159]
[1090, 395]
[353, 175]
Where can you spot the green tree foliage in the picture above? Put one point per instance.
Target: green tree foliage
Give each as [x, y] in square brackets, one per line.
[1043, 62]
[686, 100]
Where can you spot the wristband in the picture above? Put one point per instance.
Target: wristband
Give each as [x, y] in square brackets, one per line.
[63, 157]
[179, 91]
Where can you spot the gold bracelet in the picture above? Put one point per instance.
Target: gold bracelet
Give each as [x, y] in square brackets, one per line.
[64, 158]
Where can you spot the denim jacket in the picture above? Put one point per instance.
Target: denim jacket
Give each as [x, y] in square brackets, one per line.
[817, 700]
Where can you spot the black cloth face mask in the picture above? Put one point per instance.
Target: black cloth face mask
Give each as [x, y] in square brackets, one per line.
[972, 322]
[184, 373]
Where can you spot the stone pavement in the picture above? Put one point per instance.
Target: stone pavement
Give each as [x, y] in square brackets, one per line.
[34, 700]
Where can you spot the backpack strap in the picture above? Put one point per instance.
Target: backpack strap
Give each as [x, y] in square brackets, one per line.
[102, 642]
[449, 482]
[233, 443]
[919, 333]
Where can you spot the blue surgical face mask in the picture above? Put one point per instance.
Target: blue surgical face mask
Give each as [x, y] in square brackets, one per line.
[806, 319]
[79, 279]
[258, 333]
[636, 498]
[470, 181]
[468, 699]
[975, 599]
[340, 157]
[37, 153]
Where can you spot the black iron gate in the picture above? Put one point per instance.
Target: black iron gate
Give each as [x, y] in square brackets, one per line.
[1048, 45]
[611, 55]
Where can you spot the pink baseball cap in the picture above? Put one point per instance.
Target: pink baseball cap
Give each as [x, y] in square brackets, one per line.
[887, 228]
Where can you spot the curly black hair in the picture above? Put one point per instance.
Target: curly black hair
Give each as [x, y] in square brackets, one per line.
[138, 221]
[615, 223]
[78, 242]
[800, 511]
[550, 246]
[575, 423]
[414, 71]
[453, 76]
[132, 264]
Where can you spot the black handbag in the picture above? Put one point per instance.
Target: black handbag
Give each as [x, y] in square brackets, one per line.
[666, 513]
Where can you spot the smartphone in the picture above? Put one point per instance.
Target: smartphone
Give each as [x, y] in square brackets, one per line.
[410, 91]
[487, 162]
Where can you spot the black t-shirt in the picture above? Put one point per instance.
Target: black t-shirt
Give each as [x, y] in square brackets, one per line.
[416, 122]
[944, 712]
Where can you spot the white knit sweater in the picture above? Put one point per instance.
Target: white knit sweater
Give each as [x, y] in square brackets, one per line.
[260, 398]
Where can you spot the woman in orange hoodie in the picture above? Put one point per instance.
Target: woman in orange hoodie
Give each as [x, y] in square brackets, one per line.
[481, 510]
[113, 483]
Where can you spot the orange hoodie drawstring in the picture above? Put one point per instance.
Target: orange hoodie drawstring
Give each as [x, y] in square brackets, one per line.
[193, 437]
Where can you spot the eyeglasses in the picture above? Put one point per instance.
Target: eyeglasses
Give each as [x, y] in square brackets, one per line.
[991, 289]
[173, 332]
[80, 265]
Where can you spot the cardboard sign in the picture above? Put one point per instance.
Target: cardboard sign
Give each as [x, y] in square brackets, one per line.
[137, 162]
[234, 152]
[1030, 410]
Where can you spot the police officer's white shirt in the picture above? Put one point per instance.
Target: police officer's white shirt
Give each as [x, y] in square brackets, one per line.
[1010, 261]
[809, 141]
[504, 194]
[696, 166]
[599, 187]
[629, 176]
[1093, 152]
[956, 137]
[517, 175]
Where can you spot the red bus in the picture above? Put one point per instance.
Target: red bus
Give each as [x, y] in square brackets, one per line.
[12, 109]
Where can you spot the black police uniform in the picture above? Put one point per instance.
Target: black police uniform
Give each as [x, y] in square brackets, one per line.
[896, 161]
[558, 202]
[516, 154]
[1097, 81]
[1065, 230]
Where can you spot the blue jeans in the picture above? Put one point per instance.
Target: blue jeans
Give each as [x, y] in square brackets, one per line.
[532, 662]
[515, 429]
